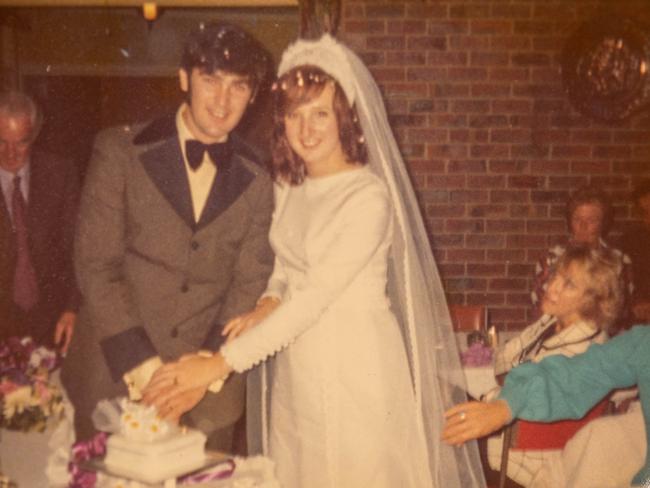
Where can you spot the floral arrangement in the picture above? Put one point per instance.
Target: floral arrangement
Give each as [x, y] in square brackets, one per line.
[27, 399]
[478, 354]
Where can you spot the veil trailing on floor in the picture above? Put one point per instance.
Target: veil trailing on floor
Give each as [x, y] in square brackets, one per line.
[414, 286]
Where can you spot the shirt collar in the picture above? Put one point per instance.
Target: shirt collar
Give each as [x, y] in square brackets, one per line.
[7, 179]
[575, 332]
[601, 243]
[183, 131]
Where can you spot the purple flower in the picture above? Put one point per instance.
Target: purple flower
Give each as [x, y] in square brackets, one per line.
[24, 364]
[83, 451]
[477, 355]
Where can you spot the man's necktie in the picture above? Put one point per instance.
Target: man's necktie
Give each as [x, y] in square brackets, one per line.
[219, 152]
[25, 285]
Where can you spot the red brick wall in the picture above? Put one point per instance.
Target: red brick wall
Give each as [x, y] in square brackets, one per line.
[492, 142]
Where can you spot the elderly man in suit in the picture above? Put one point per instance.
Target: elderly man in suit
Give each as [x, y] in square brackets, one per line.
[38, 295]
[173, 235]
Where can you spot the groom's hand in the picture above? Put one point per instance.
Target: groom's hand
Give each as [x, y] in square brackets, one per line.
[177, 405]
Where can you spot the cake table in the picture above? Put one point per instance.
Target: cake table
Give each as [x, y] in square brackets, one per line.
[219, 471]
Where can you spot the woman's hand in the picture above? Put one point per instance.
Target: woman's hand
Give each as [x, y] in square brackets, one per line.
[471, 420]
[177, 387]
[241, 324]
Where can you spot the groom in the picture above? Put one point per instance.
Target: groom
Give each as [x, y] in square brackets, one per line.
[173, 235]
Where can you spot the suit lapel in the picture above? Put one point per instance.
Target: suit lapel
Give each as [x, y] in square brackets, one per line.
[40, 190]
[7, 235]
[5, 219]
[228, 185]
[164, 165]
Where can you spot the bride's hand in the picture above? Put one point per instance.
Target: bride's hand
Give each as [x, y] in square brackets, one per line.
[192, 372]
[242, 323]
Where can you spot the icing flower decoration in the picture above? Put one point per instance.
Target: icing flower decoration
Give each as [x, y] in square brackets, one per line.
[140, 422]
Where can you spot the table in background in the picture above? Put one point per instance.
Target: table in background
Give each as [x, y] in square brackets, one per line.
[480, 379]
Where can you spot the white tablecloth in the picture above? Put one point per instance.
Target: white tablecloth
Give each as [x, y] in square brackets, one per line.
[251, 472]
[479, 380]
[39, 459]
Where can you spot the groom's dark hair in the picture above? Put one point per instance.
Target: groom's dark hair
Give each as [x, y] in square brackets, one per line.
[221, 46]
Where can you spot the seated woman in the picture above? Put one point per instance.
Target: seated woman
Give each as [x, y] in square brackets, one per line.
[582, 301]
[561, 387]
[589, 217]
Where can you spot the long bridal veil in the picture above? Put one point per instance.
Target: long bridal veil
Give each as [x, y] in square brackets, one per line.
[414, 285]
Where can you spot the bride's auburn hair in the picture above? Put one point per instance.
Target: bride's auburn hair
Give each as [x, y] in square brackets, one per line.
[301, 85]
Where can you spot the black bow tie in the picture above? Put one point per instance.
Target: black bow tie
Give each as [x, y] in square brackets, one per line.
[219, 152]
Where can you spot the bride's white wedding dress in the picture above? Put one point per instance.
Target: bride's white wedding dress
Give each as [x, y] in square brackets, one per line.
[342, 407]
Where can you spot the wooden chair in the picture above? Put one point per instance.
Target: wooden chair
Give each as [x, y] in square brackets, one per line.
[466, 318]
[541, 435]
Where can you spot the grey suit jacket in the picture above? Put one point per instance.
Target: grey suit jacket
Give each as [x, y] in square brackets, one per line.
[152, 280]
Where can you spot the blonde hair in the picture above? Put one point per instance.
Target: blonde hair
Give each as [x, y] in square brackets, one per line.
[604, 295]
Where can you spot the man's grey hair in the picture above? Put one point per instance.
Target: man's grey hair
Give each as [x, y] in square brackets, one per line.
[18, 104]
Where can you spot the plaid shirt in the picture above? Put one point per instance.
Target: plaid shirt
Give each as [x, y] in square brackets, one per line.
[536, 342]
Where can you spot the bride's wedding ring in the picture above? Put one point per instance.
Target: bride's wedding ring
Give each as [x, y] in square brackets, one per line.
[462, 416]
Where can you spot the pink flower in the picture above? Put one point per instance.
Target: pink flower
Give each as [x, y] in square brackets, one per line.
[43, 392]
[7, 387]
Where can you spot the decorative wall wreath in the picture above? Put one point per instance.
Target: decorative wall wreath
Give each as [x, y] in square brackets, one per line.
[606, 68]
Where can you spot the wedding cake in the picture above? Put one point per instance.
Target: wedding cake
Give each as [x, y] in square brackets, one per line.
[150, 449]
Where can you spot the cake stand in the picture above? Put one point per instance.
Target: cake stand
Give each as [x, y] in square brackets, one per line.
[167, 477]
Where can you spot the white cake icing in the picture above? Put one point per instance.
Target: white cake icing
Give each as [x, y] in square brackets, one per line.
[150, 449]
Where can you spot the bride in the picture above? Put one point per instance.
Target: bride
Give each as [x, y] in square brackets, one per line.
[353, 327]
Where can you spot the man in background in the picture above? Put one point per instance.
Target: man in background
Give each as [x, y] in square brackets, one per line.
[636, 243]
[173, 235]
[38, 295]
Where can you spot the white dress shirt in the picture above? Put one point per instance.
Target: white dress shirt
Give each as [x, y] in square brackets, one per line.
[201, 178]
[7, 183]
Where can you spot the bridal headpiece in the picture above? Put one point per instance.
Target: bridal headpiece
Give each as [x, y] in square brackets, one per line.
[325, 53]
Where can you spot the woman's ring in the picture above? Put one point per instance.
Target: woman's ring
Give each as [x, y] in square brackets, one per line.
[462, 415]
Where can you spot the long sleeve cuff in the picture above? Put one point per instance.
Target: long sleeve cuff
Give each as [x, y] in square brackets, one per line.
[215, 386]
[127, 350]
[139, 377]
[214, 339]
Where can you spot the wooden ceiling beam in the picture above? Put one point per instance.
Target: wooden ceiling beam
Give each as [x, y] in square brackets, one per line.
[139, 3]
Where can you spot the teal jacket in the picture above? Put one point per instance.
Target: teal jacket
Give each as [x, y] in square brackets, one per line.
[560, 387]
